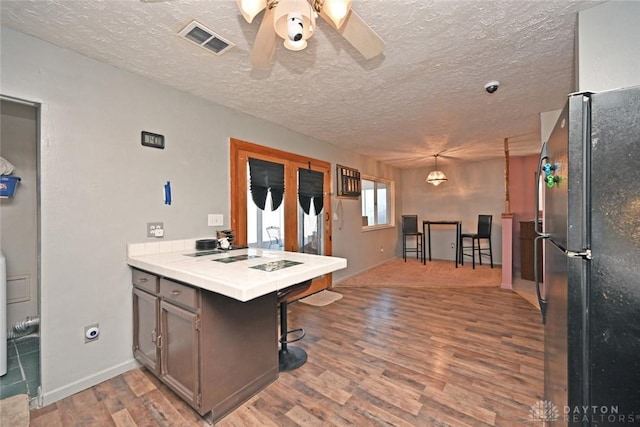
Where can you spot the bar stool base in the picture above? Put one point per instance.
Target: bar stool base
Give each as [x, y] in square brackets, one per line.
[291, 358]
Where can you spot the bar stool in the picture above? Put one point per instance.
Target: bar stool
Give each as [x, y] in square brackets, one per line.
[290, 358]
[410, 229]
[483, 232]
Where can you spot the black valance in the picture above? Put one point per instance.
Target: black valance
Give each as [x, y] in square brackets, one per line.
[266, 176]
[310, 186]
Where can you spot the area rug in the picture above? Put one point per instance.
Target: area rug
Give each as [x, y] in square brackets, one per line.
[321, 298]
[433, 274]
[14, 411]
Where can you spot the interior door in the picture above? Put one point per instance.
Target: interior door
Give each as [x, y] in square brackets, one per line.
[288, 227]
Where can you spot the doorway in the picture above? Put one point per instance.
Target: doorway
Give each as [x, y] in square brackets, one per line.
[19, 242]
[288, 209]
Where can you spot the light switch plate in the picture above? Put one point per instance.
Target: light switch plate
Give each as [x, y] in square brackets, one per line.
[215, 219]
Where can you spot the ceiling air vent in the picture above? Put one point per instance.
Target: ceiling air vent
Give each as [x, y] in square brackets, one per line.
[197, 33]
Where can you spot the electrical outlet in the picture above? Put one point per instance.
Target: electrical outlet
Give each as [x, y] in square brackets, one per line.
[91, 333]
[215, 219]
[155, 229]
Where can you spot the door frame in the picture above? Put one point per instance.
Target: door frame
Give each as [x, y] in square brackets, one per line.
[240, 151]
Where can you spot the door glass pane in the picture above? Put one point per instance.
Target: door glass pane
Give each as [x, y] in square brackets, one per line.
[310, 232]
[310, 225]
[265, 228]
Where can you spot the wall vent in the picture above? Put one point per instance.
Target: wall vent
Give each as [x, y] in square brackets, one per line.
[198, 34]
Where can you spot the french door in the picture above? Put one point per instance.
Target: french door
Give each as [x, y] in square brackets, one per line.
[282, 221]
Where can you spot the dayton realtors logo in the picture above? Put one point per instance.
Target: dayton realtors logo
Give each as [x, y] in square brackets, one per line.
[544, 410]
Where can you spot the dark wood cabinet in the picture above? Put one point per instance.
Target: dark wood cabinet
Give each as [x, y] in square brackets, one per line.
[179, 354]
[145, 332]
[527, 242]
[213, 351]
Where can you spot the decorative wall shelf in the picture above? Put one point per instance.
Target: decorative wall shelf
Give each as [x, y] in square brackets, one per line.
[348, 182]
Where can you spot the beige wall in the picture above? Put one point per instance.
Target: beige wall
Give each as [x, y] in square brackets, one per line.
[522, 192]
[609, 46]
[473, 188]
[100, 186]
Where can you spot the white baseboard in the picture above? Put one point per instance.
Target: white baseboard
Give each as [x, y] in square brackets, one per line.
[49, 397]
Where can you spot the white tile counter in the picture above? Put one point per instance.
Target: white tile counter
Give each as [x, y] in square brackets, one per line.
[236, 279]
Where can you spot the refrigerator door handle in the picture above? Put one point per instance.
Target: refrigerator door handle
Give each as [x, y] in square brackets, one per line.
[539, 235]
[541, 301]
[585, 254]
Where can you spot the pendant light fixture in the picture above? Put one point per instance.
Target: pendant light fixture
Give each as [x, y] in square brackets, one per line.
[436, 177]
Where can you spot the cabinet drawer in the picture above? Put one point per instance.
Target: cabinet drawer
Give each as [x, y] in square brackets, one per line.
[146, 281]
[179, 293]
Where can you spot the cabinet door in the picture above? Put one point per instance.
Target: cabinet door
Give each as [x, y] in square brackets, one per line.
[145, 332]
[179, 349]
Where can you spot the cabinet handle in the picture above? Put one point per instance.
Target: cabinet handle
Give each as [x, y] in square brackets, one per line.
[143, 280]
[159, 341]
[153, 336]
[175, 292]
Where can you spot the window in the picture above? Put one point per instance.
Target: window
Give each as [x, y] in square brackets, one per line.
[377, 202]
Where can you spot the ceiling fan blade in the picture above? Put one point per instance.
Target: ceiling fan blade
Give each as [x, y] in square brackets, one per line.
[359, 34]
[265, 42]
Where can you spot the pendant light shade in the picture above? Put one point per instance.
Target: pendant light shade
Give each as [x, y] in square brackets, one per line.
[436, 177]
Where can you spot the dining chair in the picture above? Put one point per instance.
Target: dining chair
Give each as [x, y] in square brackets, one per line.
[275, 238]
[483, 232]
[409, 230]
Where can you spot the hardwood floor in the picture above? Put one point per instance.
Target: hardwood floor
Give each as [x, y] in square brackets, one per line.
[377, 357]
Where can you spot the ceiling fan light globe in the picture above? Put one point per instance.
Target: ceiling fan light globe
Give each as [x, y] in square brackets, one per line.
[337, 10]
[250, 8]
[295, 45]
[298, 8]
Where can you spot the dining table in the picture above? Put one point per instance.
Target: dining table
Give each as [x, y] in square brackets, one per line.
[426, 233]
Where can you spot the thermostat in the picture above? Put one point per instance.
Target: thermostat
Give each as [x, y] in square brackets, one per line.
[152, 139]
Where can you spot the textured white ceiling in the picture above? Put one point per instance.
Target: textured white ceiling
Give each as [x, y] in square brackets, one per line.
[423, 95]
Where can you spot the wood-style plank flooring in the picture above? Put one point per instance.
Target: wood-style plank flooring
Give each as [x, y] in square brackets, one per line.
[377, 357]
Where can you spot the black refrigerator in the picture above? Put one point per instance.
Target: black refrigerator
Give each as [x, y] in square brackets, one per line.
[590, 303]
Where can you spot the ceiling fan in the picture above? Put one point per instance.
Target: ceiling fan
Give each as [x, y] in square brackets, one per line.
[295, 22]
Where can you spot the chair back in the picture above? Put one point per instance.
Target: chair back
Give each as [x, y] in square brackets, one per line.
[274, 234]
[484, 225]
[409, 224]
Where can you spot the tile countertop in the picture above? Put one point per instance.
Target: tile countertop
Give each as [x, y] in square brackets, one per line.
[236, 279]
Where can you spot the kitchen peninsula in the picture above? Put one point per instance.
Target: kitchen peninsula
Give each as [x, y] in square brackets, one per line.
[205, 322]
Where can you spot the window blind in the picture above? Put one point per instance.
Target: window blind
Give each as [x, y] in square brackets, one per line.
[310, 187]
[266, 177]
